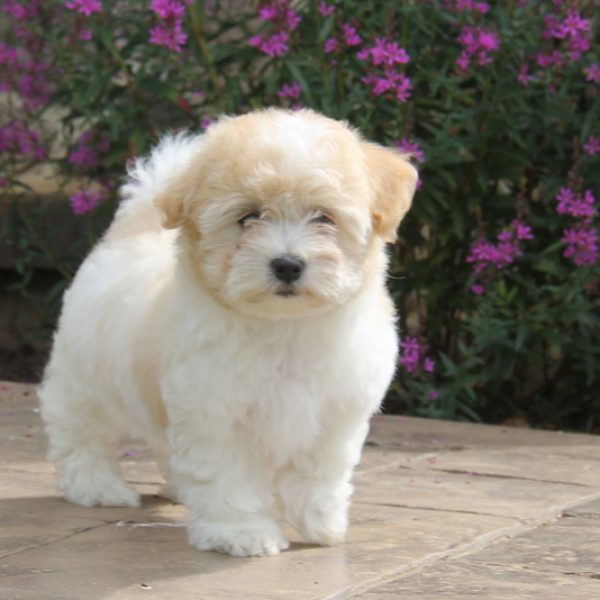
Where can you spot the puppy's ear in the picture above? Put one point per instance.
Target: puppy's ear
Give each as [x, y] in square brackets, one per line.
[394, 181]
[176, 201]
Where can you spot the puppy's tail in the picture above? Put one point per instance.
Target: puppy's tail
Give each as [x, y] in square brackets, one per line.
[147, 178]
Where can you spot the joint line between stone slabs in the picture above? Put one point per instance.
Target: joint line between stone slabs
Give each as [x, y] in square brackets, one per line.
[505, 476]
[432, 508]
[463, 549]
[57, 539]
[418, 461]
[396, 463]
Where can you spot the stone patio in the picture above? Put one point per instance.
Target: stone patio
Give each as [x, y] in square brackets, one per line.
[441, 510]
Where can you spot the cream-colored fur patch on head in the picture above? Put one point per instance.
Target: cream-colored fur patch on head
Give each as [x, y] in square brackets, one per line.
[297, 186]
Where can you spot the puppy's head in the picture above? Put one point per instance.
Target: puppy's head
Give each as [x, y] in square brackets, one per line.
[284, 214]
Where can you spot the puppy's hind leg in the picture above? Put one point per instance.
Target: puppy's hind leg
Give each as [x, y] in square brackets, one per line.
[83, 441]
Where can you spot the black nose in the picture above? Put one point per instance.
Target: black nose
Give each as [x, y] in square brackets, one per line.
[287, 268]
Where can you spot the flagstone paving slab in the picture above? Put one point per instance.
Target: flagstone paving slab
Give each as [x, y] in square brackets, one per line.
[441, 510]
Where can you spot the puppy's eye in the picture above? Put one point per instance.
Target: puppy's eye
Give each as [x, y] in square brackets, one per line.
[324, 219]
[251, 216]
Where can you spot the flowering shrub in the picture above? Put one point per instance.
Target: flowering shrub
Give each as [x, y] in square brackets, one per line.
[497, 256]
[498, 103]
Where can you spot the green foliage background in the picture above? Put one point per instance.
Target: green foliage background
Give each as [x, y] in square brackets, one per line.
[495, 150]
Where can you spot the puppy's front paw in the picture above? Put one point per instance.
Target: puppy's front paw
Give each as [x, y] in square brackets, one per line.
[318, 510]
[324, 525]
[258, 537]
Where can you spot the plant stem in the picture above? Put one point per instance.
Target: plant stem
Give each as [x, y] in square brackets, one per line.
[197, 13]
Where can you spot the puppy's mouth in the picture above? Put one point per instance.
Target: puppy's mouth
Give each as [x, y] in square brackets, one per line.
[286, 291]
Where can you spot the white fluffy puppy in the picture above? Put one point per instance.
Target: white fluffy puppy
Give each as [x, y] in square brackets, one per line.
[235, 315]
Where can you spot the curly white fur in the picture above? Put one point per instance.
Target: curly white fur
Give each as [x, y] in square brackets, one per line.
[175, 327]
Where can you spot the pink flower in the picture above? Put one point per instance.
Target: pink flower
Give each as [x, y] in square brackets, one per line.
[592, 146]
[330, 45]
[85, 201]
[169, 9]
[411, 148]
[467, 5]
[592, 73]
[205, 123]
[83, 156]
[463, 61]
[575, 206]
[396, 55]
[169, 32]
[524, 78]
[21, 11]
[284, 19]
[572, 25]
[351, 36]
[293, 90]
[170, 36]
[385, 52]
[276, 44]
[326, 9]
[573, 28]
[478, 43]
[380, 85]
[384, 76]
[487, 258]
[550, 59]
[487, 40]
[552, 25]
[8, 55]
[268, 13]
[391, 81]
[292, 19]
[521, 230]
[85, 7]
[16, 138]
[582, 239]
[582, 245]
[403, 88]
[411, 354]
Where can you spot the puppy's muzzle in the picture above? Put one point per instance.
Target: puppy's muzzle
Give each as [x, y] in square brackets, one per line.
[287, 268]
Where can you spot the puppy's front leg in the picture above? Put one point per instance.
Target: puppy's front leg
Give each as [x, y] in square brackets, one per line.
[316, 487]
[222, 480]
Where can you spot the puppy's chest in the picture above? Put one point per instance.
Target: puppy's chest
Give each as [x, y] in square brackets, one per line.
[284, 394]
[283, 370]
